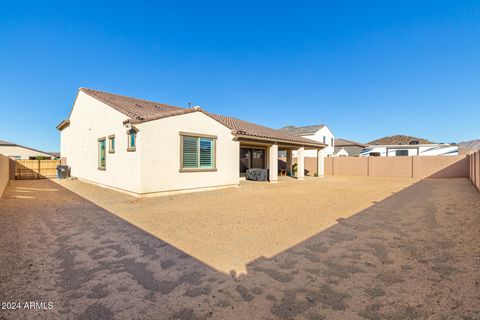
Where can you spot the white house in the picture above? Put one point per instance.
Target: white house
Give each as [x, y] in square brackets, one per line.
[18, 152]
[145, 147]
[396, 150]
[341, 153]
[320, 133]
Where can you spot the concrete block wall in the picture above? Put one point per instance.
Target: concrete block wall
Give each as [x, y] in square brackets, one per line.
[7, 172]
[402, 167]
[474, 169]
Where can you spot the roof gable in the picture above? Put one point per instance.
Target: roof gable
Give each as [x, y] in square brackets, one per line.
[306, 130]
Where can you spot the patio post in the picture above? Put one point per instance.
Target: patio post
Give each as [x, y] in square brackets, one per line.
[273, 163]
[320, 163]
[300, 164]
[290, 162]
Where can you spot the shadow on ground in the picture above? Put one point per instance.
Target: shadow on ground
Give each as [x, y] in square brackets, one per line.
[414, 255]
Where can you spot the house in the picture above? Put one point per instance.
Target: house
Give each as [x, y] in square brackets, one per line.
[19, 152]
[341, 153]
[396, 150]
[145, 147]
[320, 133]
[347, 148]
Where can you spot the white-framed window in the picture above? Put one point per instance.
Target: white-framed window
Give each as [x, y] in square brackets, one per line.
[197, 152]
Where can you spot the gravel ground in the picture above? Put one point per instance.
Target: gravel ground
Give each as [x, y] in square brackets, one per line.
[412, 255]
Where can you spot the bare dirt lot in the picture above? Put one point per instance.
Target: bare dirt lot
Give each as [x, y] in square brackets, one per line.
[229, 228]
[339, 248]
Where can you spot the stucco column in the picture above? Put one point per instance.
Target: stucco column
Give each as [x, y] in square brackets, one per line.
[290, 162]
[321, 163]
[273, 163]
[300, 164]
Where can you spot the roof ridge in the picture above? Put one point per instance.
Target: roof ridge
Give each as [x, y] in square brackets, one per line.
[130, 97]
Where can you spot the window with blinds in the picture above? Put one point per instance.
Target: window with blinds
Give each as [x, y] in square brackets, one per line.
[198, 152]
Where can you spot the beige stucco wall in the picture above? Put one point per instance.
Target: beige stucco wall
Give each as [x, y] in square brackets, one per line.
[350, 166]
[23, 153]
[417, 167]
[160, 163]
[440, 167]
[89, 121]
[390, 167]
[7, 172]
[474, 168]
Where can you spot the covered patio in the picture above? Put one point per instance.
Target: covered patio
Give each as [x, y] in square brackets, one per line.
[264, 154]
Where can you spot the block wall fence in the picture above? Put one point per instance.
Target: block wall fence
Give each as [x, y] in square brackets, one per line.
[474, 169]
[402, 167]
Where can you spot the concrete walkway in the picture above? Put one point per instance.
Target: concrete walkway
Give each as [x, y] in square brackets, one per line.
[414, 255]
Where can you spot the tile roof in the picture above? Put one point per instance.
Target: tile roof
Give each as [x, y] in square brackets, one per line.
[140, 110]
[244, 128]
[132, 107]
[303, 130]
[342, 142]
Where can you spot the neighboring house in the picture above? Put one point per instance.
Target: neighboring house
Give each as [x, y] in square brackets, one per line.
[147, 147]
[19, 152]
[320, 133]
[347, 148]
[395, 150]
[341, 153]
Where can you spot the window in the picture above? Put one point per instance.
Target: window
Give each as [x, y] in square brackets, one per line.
[111, 144]
[401, 153]
[197, 153]
[132, 140]
[102, 156]
[331, 142]
[324, 139]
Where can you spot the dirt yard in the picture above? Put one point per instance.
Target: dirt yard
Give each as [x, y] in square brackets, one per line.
[227, 229]
[337, 248]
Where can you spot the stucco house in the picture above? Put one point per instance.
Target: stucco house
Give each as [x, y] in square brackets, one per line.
[348, 148]
[18, 152]
[146, 147]
[320, 133]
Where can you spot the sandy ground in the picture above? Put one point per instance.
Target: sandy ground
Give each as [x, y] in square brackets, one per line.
[413, 255]
[229, 228]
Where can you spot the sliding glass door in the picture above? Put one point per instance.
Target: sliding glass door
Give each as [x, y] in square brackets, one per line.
[251, 158]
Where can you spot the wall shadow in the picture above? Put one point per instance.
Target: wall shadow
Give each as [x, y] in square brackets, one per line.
[393, 249]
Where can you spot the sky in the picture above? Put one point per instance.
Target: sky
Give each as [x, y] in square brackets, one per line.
[367, 69]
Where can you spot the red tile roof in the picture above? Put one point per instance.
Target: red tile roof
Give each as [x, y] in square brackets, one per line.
[140, 110]
[244, 128]
[132, 107]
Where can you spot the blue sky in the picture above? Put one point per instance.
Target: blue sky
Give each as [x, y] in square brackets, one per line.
[365, 68]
